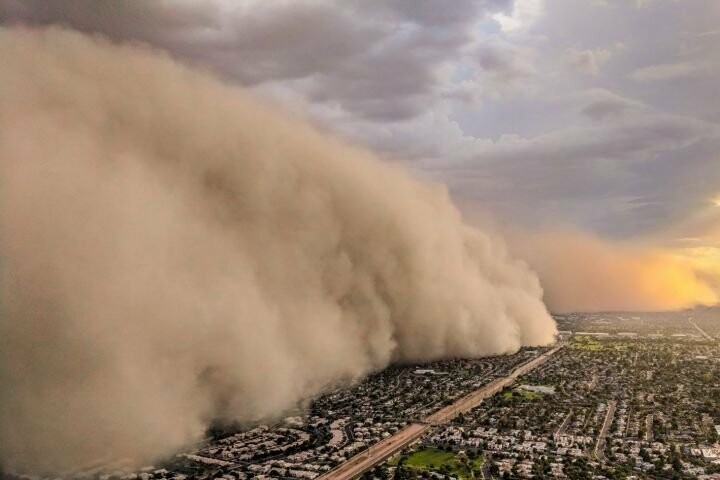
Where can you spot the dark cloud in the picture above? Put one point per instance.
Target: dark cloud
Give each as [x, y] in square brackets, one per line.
[376, 60]
[603, 104]
[605, 179]
[432, 13]
[638, 137]
[504, 63]
[249, 45]
[149, 21]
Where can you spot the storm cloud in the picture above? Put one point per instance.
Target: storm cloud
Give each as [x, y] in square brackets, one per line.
[175, 252]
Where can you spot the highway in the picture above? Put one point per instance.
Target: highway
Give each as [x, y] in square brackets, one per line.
[566, 422]
[384, 449]
[702, 332]
[649, 435]
[376, 453]
[600, 445]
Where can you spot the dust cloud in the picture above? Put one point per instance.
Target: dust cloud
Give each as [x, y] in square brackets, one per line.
[582, 273]
[174, 252]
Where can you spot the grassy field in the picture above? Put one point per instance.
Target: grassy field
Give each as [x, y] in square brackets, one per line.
[525, 395]
[590, 344]
[584, 343]
[435, 460]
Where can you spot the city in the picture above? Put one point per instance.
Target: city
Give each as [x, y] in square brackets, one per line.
[612, 404]
[621, 396]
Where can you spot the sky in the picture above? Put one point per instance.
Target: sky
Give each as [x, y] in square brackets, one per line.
[599, 116]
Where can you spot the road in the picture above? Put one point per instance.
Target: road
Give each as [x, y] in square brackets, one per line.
[702, 332]
[381, 451]
[566, 422]
[486, 474]
[377, 453]
[600, 446]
